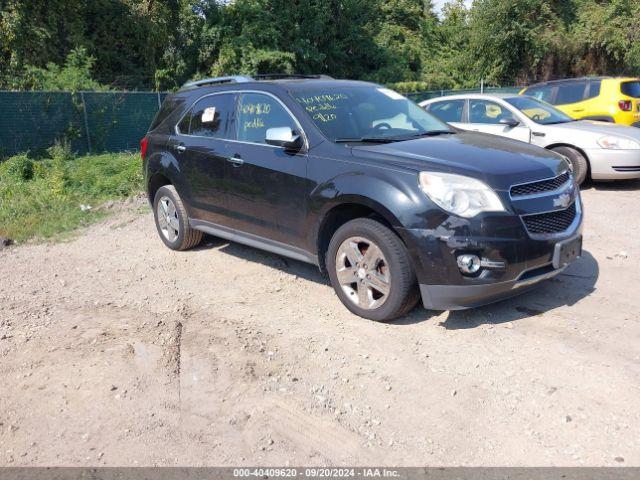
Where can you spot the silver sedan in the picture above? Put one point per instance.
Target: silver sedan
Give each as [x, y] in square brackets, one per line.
[603, 151]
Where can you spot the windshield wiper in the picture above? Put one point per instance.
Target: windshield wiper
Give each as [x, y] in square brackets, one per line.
[430, 133]
[366, 140]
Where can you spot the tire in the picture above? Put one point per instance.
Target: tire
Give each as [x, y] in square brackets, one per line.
[354, 244]
[175, 233]
[578, 161]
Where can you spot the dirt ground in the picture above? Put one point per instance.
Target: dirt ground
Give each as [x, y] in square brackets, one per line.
[115, 350]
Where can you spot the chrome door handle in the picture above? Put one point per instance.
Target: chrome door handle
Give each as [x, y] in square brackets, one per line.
[235, 160]
[180, 148]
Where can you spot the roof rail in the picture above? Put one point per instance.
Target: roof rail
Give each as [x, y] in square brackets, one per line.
[216, 80]
[277, 76]
[246, 78]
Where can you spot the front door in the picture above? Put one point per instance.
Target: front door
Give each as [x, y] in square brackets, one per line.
[201, 148]
[266, 185]
[485, 116]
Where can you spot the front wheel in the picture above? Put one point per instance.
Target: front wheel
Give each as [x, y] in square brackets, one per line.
[370, 270]
[579, 163]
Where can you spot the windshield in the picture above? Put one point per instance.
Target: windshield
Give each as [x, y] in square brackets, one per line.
[366, 113]
[539, 111]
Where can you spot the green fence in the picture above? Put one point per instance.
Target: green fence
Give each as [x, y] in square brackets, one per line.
[90, 121]
[94, 122]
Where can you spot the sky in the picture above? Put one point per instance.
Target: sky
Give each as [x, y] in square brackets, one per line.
[438, 4]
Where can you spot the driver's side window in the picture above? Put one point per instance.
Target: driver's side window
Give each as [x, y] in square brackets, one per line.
[257, 113]
[484, 111]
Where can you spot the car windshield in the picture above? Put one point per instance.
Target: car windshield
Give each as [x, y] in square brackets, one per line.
[366, 113]
[539, 111]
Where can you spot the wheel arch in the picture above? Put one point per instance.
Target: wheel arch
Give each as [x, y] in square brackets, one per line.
[578, 149]
[349, 208]
[156, 180]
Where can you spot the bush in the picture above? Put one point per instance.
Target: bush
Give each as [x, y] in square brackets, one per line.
[42, 198]
[19, 168]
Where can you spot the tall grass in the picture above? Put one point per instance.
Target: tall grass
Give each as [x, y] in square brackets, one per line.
[48, 197]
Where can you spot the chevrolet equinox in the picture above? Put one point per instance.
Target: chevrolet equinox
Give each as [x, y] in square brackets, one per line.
[388, 201]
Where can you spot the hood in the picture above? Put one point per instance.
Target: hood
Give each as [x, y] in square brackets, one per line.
[602, 128]
[497, 161]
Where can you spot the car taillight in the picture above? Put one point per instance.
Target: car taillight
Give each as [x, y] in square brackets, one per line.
[625, 105]
[143, 147]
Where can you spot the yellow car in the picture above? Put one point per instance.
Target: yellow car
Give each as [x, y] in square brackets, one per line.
[606, 99]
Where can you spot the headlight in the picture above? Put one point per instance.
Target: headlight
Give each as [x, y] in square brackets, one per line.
[618, 143]
[463, 196]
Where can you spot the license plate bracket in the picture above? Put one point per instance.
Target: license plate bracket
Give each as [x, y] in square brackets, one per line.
[567, 251]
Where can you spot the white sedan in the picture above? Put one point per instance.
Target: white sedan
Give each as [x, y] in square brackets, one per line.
[603, 151]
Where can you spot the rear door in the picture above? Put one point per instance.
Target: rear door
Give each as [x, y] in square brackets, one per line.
[200, 144]
[485, 115]
[266, 185]
[570, 97]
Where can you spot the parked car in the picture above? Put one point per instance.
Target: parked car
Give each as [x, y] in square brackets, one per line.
[607, 99]
[602, 151]
[386, 199]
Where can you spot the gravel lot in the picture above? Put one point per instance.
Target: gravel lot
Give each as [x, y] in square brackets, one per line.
[115, 350]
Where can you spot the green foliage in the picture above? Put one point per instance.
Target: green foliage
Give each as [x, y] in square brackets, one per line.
[42, 198]
[82, 44]
[74, 75]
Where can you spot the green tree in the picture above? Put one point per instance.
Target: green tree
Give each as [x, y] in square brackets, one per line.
[73, 76]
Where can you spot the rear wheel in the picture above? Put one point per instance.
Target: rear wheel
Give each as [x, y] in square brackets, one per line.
[578, 161]
[172, 221]
[370, 270]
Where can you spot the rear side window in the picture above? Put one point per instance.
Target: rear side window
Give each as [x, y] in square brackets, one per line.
[570, 92]
[210, 117]
[542, 92]
[594, 89]
[632, 89]
[448, 111]
[257, 113]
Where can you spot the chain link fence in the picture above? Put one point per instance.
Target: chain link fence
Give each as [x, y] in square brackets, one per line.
[93, 122]
[90, 122]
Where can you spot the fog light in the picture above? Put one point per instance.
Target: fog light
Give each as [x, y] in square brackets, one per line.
[469, 264]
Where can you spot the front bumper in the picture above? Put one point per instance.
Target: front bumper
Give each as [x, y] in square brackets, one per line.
[460, 297]
[613, 164]
[517, 261]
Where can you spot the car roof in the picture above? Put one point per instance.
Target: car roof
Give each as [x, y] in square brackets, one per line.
[466, 96]
[580, 79]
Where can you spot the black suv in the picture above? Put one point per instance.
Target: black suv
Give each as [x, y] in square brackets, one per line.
[386, 199]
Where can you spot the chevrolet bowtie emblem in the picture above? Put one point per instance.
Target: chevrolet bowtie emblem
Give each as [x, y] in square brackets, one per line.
[562, 201]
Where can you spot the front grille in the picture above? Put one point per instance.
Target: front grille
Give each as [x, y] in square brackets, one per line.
[540, 186]
[551, 222]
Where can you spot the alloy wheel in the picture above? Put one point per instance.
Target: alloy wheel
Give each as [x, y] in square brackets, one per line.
[363, 272]
[168, 219]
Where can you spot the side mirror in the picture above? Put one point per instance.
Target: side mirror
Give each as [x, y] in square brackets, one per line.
[509, 122]
[283, 137]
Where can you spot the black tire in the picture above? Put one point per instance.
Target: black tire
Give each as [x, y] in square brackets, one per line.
[578, 161]
[187, 237]
[403, 292]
